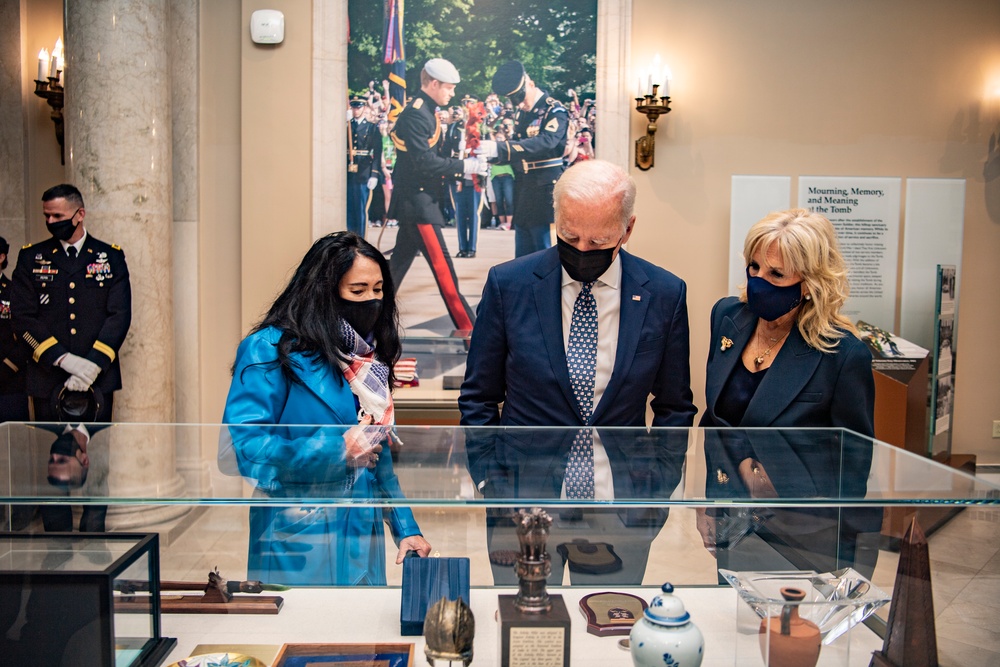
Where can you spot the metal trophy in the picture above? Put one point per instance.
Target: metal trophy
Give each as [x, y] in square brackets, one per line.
[534, 626]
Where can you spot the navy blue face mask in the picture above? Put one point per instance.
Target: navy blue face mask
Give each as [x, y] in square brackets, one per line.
[769, 302]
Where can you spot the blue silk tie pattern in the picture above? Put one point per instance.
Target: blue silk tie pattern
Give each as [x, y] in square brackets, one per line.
[581, 362]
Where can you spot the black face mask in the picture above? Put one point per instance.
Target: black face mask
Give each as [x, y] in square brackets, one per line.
[361, 315]
[585, 266]
[769, 302]
[63, 230]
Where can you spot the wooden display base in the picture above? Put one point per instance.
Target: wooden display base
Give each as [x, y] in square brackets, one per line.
[533, 640]
[199, 604]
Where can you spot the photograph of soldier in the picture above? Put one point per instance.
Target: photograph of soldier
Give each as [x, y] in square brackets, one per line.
[535, 152]
[417, 181]
[556, 47]
[364, 159]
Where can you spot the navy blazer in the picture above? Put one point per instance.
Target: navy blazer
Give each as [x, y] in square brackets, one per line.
[517, 356]
[803, 387]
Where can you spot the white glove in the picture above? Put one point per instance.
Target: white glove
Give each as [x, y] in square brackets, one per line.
[82, 368]
[476, 165]
[487, 149]
[372, 182]
[76, 383]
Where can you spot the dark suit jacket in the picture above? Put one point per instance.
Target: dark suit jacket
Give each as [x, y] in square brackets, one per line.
[803, 387]
[804, 390]
[83, 306]
[517, 356]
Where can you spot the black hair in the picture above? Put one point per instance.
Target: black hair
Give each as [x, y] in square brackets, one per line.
[64, 191]
[308, 311]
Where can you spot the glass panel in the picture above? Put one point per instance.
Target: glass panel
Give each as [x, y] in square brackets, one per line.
[81, 554]
[133, 625]
[495, 467]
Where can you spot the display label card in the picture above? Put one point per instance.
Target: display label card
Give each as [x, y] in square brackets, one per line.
[536, 647]
[865, 213]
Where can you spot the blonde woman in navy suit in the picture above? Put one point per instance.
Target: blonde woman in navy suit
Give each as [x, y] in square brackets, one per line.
[783, 356]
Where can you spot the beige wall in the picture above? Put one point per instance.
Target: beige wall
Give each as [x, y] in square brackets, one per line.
[277, 148]
[887, 88]
[219, 208]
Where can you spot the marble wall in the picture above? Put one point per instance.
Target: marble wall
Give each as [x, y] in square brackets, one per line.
[12, 216]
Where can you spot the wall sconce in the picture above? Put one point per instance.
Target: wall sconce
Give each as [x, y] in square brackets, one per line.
[48, 86]
[652, 106]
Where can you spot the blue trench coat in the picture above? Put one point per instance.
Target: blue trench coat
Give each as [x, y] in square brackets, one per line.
[301, 544]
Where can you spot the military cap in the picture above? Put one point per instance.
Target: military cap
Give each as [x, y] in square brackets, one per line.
[77, 406]
[442, 70]
[357, 101]
[509, 80]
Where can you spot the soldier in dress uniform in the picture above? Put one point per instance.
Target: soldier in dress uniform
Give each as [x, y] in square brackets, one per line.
[535, 152]
[13, 396]
[72, 306]
[417, 180]
[364, 149]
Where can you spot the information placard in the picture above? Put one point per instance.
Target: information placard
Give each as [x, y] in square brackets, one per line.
[865, 213]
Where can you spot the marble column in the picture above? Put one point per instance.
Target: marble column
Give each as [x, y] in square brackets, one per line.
[182, 51]
[12, 167]
[118, 152]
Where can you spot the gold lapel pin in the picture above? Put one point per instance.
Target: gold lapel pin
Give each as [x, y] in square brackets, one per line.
[721, 477]
[726, 343]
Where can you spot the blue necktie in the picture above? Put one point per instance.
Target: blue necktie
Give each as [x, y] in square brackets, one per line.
[581, 361]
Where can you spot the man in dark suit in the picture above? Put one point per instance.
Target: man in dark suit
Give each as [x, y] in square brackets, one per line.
[526, 353]
[72, 306]
[418, 180]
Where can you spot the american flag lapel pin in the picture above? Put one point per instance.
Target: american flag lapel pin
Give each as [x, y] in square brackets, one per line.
[636, 297]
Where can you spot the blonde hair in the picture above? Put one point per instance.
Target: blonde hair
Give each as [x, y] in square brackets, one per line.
[808, 246]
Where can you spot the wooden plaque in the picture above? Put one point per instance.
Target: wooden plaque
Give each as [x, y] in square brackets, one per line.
[611, 613]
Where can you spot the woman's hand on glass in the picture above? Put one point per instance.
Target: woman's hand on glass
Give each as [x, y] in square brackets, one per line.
[361, 453]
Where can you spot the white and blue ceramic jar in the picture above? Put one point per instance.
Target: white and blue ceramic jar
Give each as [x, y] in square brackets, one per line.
[665, 635]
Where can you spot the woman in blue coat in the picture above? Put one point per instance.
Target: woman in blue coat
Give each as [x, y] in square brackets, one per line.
[309, 409]
[784, 357]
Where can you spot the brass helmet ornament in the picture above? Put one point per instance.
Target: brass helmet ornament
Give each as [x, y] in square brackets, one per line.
[449, 628]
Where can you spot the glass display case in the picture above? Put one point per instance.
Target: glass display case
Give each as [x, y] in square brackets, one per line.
[88, 599]
[309, 508]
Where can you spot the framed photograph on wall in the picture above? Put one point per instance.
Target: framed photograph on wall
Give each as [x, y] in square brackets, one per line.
[440, 271]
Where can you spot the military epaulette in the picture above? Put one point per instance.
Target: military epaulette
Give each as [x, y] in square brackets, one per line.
[25, 247]
[116, 246]
[417, 103]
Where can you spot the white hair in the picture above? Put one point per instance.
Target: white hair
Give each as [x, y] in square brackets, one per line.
[600, 183]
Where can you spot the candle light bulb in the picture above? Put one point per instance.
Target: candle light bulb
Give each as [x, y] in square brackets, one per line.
[43, 63]
[58, 50]
[667, 76]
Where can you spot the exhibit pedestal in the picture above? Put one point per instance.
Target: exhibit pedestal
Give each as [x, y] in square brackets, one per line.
[533, 639]
[901, 403]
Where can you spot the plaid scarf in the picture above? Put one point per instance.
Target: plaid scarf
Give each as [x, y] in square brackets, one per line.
[368, 377]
